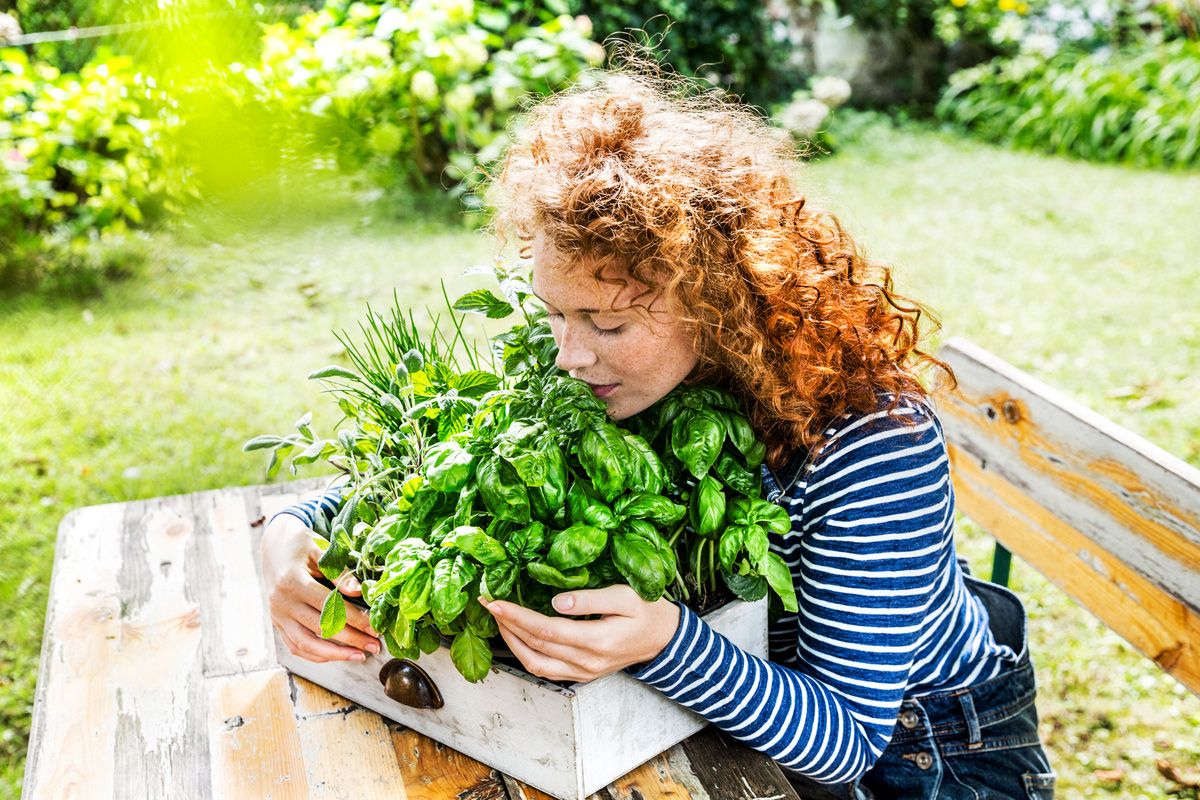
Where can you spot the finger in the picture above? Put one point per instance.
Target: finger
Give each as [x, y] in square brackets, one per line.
[618, 599]
[348, 585]
[313, 648]
[566, 640]
[313, 594]
[537, 663]
[310, 618]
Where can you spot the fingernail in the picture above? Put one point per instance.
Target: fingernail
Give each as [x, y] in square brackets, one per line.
[360, 657]
[563, 602]
[373, 647]
[352, 584]
[482, 601]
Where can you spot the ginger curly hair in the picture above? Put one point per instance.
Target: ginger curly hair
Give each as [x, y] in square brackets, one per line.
[693, 195]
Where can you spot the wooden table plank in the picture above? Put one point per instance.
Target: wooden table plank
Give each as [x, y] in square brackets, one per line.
[162, 730]
[73, 737]
[224, 579]
[433, 771]
[348, 750]
[256, 753]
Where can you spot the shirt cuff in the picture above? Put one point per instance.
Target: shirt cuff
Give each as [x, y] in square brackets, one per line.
[663, 668]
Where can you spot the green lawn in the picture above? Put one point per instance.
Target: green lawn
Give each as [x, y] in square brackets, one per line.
[1081, 274]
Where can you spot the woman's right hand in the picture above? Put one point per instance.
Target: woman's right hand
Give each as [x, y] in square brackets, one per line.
[295, 598]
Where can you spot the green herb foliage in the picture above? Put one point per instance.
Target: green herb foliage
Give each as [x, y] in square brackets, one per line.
[514, 484]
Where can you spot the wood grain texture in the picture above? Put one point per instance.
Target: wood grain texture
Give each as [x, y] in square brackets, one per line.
[224, 579]
[1110, 518]
[162, 745]
[731, 771]
[433, 771]
[348, 750]
[73, 737]
[256, 753]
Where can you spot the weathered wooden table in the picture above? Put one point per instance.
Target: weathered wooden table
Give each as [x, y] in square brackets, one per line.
[159, 679]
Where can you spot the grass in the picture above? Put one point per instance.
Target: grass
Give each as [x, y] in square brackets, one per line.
[1077, 273]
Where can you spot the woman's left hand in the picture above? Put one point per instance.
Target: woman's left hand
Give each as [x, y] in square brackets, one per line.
[629, 631]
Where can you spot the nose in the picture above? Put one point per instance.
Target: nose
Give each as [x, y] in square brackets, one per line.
[572, 353]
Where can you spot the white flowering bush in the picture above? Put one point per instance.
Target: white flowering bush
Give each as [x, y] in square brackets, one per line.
[807, 116]
[420, 93]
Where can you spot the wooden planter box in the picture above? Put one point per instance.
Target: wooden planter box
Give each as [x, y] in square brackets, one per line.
[568, 742]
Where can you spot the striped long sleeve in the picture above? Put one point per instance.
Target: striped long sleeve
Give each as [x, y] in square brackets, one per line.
[880, 603]
[326, 505]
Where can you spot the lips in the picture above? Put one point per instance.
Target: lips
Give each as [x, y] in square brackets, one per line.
[602, 389]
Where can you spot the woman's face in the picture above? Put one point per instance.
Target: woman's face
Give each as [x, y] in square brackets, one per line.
[630, 358]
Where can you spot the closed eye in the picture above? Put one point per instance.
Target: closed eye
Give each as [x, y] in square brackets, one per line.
[608, 331]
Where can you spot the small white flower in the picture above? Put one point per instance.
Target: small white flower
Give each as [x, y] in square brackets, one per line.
[389, 22]
[10, 29]
[461, 98]
[424, 85]
[804, 118]
[831, 90]
[583, 24]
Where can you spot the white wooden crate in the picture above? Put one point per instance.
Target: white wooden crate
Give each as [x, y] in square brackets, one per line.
[568, 742]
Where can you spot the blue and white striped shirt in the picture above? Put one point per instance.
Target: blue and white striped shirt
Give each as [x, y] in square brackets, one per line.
[884, 613]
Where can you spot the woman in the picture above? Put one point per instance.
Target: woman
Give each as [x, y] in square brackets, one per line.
[670, 245]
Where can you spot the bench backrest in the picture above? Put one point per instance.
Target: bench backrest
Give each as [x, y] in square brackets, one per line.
[1111, 519]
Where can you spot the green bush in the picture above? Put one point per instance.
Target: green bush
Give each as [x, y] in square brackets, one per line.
[85, 155]
[420, 94]
[1137, 107]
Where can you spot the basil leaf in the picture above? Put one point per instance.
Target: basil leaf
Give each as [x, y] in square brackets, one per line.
[603, 454]
[732, 542]
[696, 439]
[737, 477]
[477, 544]
[413, 602]
[448, 466]
[653, 507]
[708, 508]
[647, 473]
[480, 621]
[502, 491]
[577, 546]
[639, 561]
[742, 435]
[544, 573]
[450, 576]
[780, 579]
[471, 655]
[498, 581]
[773, 516]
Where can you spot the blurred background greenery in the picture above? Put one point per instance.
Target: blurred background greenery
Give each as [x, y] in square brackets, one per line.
[194, 193]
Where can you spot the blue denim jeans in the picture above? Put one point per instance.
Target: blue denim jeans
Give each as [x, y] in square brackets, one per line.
[977, 743]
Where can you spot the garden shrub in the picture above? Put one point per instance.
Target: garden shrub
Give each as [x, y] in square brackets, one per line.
[1141, 107]
[420, 94]
[85, 155]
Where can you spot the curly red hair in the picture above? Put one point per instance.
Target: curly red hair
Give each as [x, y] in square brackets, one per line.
[694, 195]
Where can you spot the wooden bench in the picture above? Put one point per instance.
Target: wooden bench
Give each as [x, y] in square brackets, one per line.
[159, 680]
[1108, 517]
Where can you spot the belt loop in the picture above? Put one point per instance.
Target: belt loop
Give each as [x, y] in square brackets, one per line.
[974, 737]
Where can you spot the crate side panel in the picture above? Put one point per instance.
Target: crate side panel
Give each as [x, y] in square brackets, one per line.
[519, 726]
[623, 723]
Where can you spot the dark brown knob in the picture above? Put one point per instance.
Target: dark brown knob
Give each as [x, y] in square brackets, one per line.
[406, 683]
